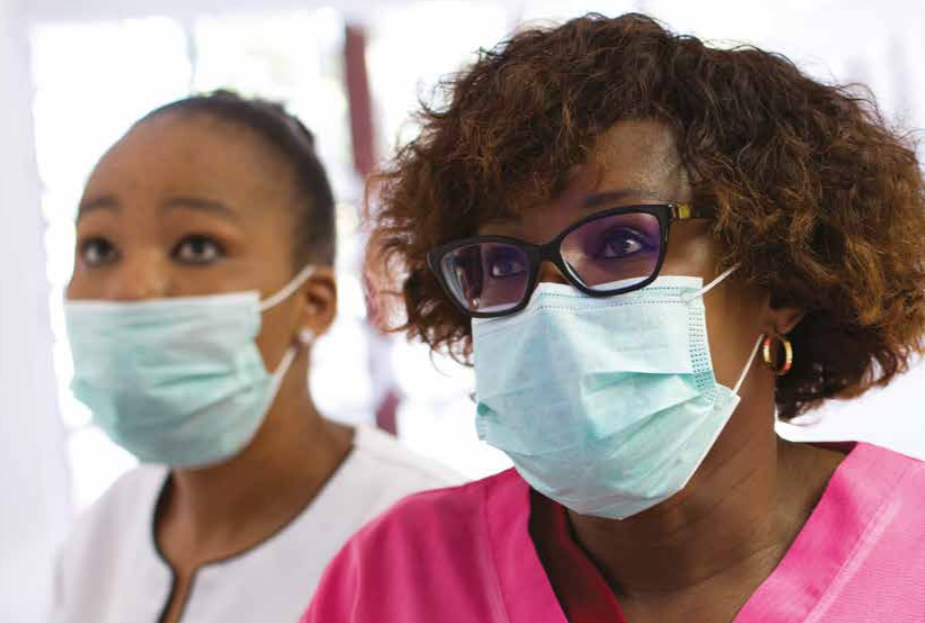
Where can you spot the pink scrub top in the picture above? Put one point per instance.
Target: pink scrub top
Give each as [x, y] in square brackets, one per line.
[465, 555]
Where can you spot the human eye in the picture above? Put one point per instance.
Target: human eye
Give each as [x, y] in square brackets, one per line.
[505, 264]
[97, 251]
[620, 242]
[198, 249]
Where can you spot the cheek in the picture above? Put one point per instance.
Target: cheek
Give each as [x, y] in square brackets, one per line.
[75, 289]
[690, 250]
[276, 334]
[733, 328]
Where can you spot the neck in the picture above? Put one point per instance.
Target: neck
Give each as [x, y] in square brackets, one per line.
[241, 501]
[730, 526]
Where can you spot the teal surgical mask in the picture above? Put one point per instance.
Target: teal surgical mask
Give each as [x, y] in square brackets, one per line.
[177, 381]
[605, 405]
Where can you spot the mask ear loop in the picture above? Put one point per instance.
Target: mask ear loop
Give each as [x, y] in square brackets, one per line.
[306, 339]
[279, 374]
[288, 289]
[283, 368]
[748, 366]
[703, 291]
[751, 359]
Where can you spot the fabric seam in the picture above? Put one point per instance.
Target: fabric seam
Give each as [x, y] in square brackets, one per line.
[499, 593]
[875, 519]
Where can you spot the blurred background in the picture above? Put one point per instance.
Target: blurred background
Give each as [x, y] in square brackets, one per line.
[74, 74]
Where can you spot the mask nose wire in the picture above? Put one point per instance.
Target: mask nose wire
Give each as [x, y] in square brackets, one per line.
[287, 290]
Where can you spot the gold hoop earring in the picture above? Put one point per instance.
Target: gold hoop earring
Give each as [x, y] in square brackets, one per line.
[784, 366]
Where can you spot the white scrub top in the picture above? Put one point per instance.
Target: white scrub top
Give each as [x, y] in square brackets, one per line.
[110, 570]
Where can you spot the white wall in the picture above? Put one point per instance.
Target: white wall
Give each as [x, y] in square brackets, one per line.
[34, 505]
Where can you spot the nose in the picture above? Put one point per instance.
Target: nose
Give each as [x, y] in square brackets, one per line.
[549, 273]
[139, 277]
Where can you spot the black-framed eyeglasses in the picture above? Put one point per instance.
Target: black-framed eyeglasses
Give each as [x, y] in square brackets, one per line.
[607, 253]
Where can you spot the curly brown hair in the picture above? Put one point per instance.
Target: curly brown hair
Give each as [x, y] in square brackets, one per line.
[813, 194]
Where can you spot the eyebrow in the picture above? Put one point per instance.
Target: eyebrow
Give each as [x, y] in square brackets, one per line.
[105, 202]
[608, 199]
[617, 196]
[199, 204]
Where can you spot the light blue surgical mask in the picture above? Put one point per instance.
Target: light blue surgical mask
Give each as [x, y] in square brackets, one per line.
[605, 405]
[177, 381]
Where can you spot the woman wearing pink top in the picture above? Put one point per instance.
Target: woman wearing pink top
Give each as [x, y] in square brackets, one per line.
[650, 248]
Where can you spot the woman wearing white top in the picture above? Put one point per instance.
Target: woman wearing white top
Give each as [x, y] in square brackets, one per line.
[205, 239]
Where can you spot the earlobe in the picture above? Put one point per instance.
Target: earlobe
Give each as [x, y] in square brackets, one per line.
[319, 302]
[306, 337]
[787, 319]
[781, 318]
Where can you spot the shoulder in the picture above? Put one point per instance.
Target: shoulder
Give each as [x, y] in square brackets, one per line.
[422, 546]
[877, 468]
[909, 476]
[125, 508]
[131, 492]
[110, 541]
[378, 472]
[883, 490]
[873, 528]
[439, 515]
[439, 512]
[386, 458]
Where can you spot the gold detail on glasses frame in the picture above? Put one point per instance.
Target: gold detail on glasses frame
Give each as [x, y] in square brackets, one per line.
[683, 211]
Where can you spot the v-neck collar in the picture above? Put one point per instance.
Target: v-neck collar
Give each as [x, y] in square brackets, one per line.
[580, 588]
[830, 540]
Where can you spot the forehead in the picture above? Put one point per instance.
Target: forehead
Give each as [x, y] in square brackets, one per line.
[636, 161]
[191, 153]
[637, 152]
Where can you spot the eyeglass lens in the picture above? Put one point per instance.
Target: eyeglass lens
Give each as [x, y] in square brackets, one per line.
[610, 253]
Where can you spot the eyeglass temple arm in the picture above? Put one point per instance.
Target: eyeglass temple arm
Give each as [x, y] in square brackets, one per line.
[684, 211]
